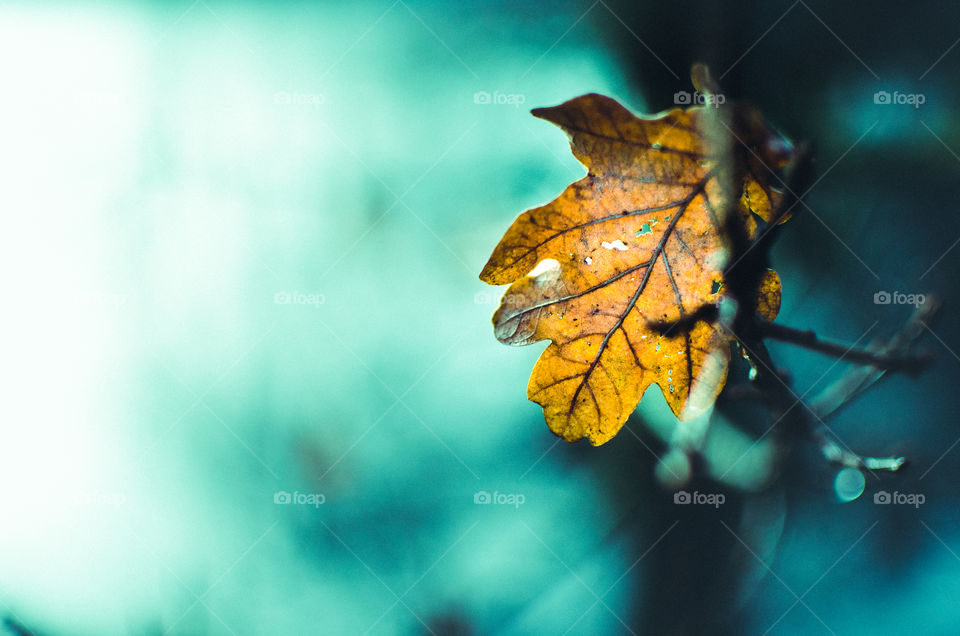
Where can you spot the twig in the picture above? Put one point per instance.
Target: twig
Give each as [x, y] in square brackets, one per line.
[888, 361]
[832, 452]
[860, 378]
[796, 417]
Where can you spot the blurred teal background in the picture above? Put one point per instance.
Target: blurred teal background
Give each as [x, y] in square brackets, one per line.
[251, 386]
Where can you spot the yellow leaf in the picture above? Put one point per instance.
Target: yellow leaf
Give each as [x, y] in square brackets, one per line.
[638, 241]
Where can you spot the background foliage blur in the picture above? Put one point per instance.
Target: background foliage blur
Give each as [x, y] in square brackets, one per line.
[241, 249]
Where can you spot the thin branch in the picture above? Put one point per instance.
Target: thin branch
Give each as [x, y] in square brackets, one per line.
[836, 454]
[887, 361]
[859, 379]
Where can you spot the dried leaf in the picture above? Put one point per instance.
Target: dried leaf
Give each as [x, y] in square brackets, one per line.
[639, 240]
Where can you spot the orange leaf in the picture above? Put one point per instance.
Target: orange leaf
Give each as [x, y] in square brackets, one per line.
[639, 240]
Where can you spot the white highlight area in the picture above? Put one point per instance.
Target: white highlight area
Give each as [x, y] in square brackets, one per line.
[544, 266]
[65, 477]
[614, 245]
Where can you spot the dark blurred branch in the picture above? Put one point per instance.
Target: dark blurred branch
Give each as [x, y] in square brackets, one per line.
[705, 313]
[748, 265]
[749, 260]
[17, 628]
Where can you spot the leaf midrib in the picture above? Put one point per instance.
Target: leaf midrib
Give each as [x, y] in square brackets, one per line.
[656, 252]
